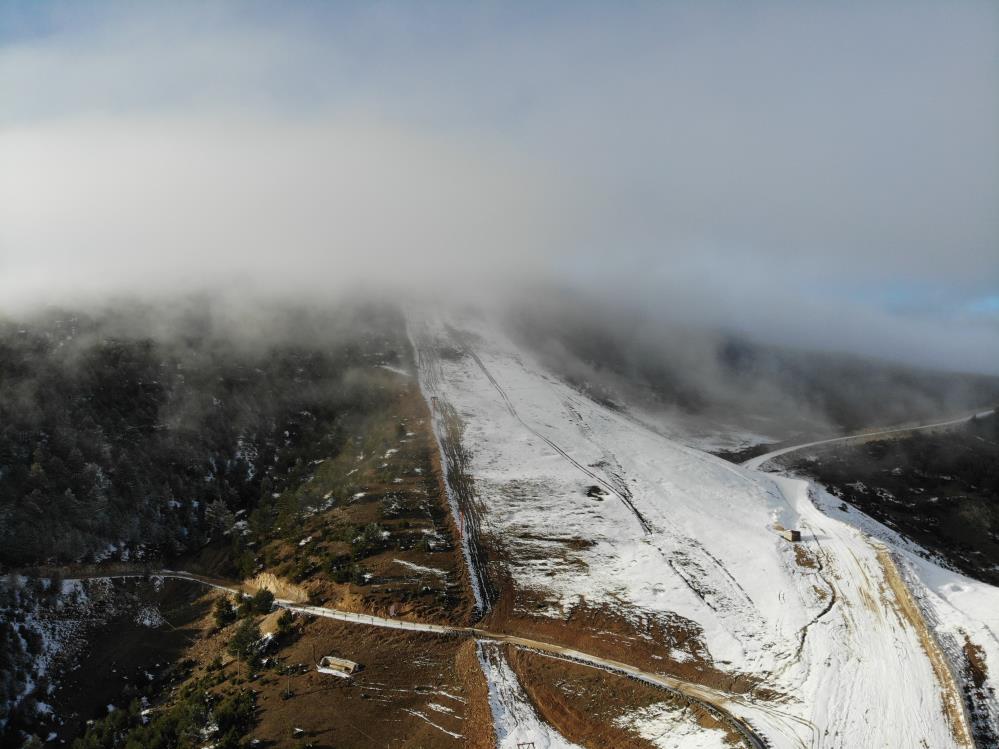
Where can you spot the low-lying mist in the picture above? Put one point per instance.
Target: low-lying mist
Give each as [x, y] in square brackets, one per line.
[683, 377]
[147, 426]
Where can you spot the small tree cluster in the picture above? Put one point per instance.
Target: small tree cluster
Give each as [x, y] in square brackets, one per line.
[244, 642]
[225, 614]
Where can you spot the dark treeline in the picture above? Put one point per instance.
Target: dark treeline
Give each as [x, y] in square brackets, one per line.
[148, 430]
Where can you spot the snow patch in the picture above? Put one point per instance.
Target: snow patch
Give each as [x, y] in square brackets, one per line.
[514, 719]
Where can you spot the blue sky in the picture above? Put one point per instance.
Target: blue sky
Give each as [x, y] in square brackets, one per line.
[781, 168]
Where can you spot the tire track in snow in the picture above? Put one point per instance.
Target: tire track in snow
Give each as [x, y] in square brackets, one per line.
[727, 598]
[624, 496]
[457, 484]
[803, 632]
[738, 597]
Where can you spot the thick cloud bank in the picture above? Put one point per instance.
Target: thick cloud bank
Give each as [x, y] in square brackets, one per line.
[822, 176]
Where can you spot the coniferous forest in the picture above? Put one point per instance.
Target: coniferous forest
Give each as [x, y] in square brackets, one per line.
[135, 436]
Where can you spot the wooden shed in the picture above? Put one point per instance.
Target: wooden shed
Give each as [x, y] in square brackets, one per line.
[791, 535]
[330, 664]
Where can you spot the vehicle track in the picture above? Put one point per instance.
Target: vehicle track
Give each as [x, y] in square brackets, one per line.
[609, 486]
[446, 426]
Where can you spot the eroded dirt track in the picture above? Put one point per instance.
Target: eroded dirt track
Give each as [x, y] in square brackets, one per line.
[458, 483]
[950, 693]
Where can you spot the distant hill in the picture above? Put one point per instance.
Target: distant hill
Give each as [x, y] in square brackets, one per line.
[684, 373]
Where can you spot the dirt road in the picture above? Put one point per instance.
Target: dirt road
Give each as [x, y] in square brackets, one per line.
[712, 700]
[760, 460]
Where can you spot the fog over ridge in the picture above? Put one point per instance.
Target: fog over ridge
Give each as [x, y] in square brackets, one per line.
[817, 176]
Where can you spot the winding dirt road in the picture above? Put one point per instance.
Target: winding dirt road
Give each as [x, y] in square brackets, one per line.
[714, 701]
[759, 461]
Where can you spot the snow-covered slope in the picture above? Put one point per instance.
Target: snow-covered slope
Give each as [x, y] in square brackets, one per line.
[592, 507]
[514, 719]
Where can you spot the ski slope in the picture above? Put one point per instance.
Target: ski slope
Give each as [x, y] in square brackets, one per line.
[591, 507]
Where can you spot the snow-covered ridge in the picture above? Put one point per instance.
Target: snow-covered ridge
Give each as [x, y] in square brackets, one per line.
[679, 536]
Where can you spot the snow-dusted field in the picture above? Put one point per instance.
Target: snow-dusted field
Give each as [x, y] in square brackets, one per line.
[593, 507]
[514, 719]
[665, 726]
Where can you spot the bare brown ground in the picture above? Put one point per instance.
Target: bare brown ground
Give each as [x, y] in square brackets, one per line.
[407, 680]
[804, 558]
[392, 476]
[583, 704]
[977, 666]
[584, 712]
[280, 588]
[978, 693]
[906, 606]
[479, 733]
[642, 641]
